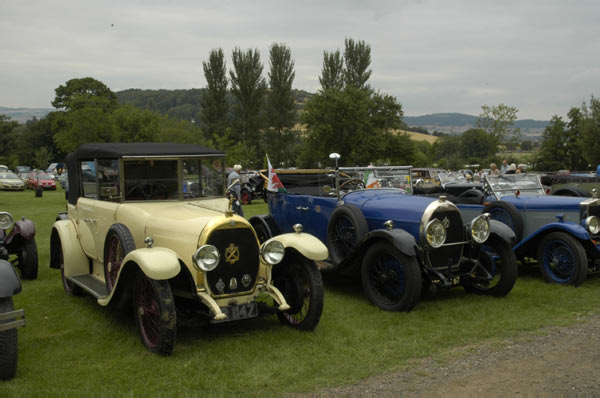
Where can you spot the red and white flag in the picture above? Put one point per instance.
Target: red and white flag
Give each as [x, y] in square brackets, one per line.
[275, 184]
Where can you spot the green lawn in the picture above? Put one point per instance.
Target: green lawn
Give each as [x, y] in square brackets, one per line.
[73, 346]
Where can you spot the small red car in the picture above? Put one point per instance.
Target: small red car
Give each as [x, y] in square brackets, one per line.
[41, 180]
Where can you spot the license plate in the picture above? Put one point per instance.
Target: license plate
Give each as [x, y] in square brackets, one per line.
[238, 311]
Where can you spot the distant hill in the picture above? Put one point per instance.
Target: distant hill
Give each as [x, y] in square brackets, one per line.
[22, 115]
[457, 123]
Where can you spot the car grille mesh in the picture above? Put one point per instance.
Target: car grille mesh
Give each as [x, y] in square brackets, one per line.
[441, 257]
[236, 275]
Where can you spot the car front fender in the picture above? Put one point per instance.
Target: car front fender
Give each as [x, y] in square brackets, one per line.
[306, 244]
[10, 284]
[576, 230]
[503, 231]
[73, 256]
[157, 263]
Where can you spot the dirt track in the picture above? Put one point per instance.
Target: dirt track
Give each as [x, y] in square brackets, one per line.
[560, 361]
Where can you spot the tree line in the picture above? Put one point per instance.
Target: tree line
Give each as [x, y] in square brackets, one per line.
[249, 115]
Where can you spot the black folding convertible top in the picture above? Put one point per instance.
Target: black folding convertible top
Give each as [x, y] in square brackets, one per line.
[115, 150]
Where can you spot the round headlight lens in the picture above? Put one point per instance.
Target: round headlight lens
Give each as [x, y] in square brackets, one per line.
[480, 228]
[592, 223]
[435, 233]
[272, 252]
[6, 220]
[206, 258]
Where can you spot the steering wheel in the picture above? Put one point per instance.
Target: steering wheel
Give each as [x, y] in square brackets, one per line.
[356, 183]
[149, 191]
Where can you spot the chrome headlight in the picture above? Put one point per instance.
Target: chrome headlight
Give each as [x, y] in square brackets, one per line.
[480, 228]
[435, 233]
[6, 220]
[206, 258]
[592, 224]
[272, 252]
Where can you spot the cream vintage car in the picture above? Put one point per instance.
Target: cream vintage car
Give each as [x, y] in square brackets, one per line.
[149, 226]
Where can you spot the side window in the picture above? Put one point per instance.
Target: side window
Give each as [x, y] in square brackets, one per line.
[212, 177]
[191, 178]
[88, 179]
[108, 180]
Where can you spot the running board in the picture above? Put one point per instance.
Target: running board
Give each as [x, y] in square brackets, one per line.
[93, 286]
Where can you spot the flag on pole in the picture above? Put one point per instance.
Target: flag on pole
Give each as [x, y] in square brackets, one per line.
[370, 180]
[275, 184]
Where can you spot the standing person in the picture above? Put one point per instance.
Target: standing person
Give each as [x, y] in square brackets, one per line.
[236, 189]
[504, 167]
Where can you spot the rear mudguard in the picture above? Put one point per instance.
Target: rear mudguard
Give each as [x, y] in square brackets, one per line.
[306, 244]
[157, 263]
[24, 229]
[10, 284]
[75, 260]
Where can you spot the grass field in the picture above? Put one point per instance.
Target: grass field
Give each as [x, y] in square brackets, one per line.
[73, 346]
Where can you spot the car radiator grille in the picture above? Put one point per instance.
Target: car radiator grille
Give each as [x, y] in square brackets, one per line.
[238, 267]
[443, 256]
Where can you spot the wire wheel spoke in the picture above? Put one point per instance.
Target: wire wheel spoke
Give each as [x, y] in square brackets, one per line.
[387, 277]
[149, 313]
[559, 259]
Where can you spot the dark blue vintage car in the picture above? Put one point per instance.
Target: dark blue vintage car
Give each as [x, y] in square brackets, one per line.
[396, 243]
[561, 232]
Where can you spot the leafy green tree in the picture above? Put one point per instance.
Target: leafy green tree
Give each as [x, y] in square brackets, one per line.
[590, 132]
[87, 91]
[552, 154]
[214, 98]
[42, 157]
[280, 110]
[248, 87]
[357, 57]
[131, 124]
[498, 121]
[332, 74]
[7, 130]
[477, 145]
[79, 126]
[447, 153]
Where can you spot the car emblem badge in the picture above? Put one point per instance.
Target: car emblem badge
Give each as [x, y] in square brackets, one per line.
[220, 285]
[232, 254]
[233, 283]
[446, 222]
[246, 280]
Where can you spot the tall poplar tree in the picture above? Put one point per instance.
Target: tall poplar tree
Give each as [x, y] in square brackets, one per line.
[214, 98]
[332, 74]
[248, 87]
[357, 56]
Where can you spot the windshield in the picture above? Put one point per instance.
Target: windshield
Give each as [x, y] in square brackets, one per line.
[8, 176]
[43, 176]
[376, 177]
[506, 184]
[454, 177]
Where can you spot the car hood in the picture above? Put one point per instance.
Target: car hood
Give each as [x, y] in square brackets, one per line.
[549, 202]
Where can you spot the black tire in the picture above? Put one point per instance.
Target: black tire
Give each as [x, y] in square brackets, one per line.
[300, 282]
[499, 261]
[28, 259]
[245, 197]
[507, 214]
[572, 191]
[155, 314]
[9, 344]
[70, 288]
[391, 279]
[562, 259]
[117, 245]
[471, 196]
[346, 228]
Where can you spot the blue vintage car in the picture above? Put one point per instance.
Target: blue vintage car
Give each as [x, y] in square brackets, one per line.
[562, 233]
[396, 243]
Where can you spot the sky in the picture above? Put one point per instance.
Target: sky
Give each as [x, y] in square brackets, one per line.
[542, 57]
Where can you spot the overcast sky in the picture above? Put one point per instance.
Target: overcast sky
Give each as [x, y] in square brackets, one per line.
[542, 57]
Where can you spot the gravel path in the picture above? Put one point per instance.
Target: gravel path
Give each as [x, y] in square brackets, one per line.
[560, 361]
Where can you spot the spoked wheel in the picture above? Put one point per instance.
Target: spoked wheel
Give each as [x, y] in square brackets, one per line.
[300, 282]
[496, 273]
[562, 259]
[346, 228]
[507, 214]
[155, 314]
[9, 343]
[118, 244]
[391, 280]
[28, 259]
